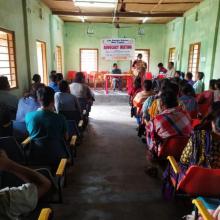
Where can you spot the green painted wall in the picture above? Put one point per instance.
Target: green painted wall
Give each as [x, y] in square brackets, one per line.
[202, 30]
[15, 22]
[76, 37]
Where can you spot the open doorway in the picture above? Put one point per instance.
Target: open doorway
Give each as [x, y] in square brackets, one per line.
[42, 61]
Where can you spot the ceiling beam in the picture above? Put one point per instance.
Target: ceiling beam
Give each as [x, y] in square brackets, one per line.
[118, 14]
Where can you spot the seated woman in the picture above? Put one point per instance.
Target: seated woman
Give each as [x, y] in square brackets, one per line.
[67, 103]
[217, 91]
[141, 97]
[6, 97]
[188, 100]
[28, 103]
[203, 148]
[84, 94]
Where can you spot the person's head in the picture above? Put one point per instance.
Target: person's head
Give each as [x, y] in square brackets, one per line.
[164, 83]
[212, 84]
[45, 96]
[160, 65]
[79, 77]
[115, 66]
[177, 74]
[137, 83]
[170, 65]
[53, 72]
[217, 84]
[199, 76]
[53, 78]
[59, 77]
[36, 78]
[34, 89]
[147, 85]
[4, 84]
[188, 90]
[139, 56]
[168, 100]
[174, 88]
[189, 76]
[64, 86]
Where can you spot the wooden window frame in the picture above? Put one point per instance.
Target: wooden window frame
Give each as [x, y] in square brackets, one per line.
[170, 53]
[198, 58]
[80, 56]
[148, 61]
[61, 58]
[15, 59]
[45, 78]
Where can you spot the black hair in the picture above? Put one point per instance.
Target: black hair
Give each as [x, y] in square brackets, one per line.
[178, 72]
[147, 85]
[201, 75]
[188, 90]
[169, 99]
[36, 78]
[115, 64]
[172, 87]
[189, 75]
[160, 65]
[217, 84]
[4, 84]
[172, 63]
[59, 76]
[34, 89]
[63, 86]
[140, 55]
[137, 83]
[164, 83]
[45, 96]
[53, 72]
[53, 77]
[212, 83]
[79, 77]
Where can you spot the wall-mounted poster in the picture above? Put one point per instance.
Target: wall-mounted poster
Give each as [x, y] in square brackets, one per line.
[118, 49]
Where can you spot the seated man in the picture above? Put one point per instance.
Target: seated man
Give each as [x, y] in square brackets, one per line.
[171, 122]
[116, 81]
[67, 103]
[20, 200]
[53, 82]
[45, 123]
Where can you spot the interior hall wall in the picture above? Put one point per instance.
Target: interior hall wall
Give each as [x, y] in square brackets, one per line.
[76, 37]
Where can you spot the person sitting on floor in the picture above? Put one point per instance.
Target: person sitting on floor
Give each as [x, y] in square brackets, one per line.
[217, 91]
[45, 122]
[171, 122]
[188, 100]
[67, 103]
[6, 97]
[53, 82]
[82, 91]
[116, 81]
[189, 77]
[141, 97]
[17, 201]
[28, 103]
[199, 85]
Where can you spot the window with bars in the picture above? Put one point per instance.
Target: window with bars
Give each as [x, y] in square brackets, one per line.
[194, 56]
[59, 59]
[145, 56]
[7, 57]
[88, 60]
[172, 54]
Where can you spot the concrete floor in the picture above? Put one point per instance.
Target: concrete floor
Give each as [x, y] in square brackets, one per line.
[108, 181]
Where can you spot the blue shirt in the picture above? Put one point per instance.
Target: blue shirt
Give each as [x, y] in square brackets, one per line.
[54, 86]
[26, 105]
[47, 124]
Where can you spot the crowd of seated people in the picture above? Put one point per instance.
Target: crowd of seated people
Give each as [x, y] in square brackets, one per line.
[179, 107]
[45, 111]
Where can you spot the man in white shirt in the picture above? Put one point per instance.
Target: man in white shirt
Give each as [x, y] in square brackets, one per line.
[17, 201]
[171, 70]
